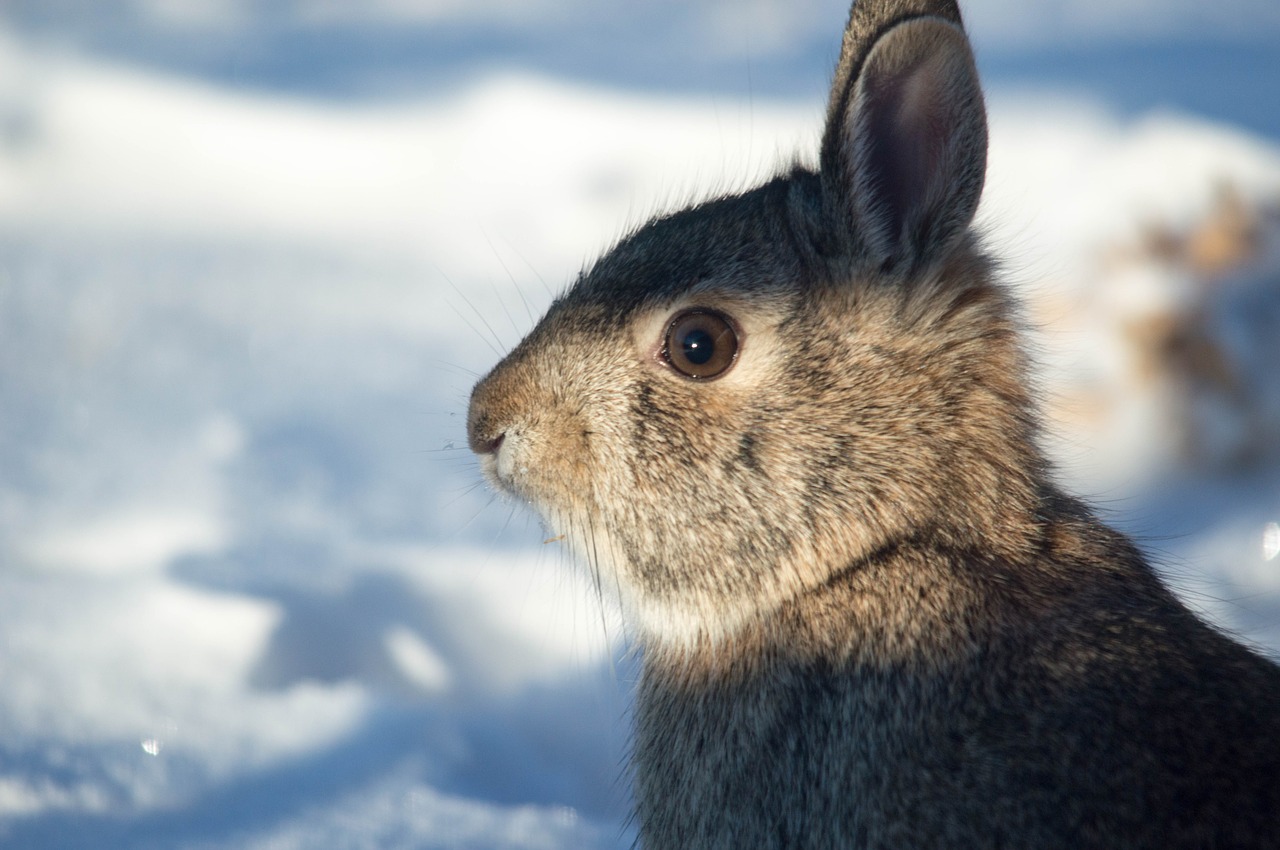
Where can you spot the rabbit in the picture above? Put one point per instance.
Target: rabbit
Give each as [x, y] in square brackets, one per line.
[792, 431]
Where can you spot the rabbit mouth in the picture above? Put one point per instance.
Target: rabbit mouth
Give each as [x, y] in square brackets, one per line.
[501, 464]
[512, 462]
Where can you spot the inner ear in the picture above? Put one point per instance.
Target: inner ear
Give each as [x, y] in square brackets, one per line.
[906, 137]
[914, 141]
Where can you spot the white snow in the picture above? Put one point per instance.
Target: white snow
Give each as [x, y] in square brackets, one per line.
[252, 592]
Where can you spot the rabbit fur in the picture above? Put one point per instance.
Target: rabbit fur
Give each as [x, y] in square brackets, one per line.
[867, 615]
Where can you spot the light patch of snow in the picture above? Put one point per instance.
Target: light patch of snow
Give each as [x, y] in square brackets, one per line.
[1067, 177]
[20, 796]
[399, 814]
[1270, 541]
[536, 617]
[143, 539]
[113, 149]
[102, 656]
[418, 662]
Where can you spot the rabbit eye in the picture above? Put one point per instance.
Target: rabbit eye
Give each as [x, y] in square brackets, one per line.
[700, 344]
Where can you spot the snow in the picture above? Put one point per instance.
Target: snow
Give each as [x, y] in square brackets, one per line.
[252, 590]
[717, 24]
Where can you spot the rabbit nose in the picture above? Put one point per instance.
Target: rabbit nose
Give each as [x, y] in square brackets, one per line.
[486, 427]
[488, 447]
[480, 432]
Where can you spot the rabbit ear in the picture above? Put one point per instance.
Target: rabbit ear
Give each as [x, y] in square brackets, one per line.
[905, 149]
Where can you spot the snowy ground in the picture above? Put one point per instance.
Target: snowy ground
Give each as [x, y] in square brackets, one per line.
[251, 592]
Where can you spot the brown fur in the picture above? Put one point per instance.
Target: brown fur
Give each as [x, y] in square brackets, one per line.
[868, 617]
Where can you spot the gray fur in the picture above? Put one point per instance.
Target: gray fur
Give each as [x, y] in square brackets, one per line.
[868, 617]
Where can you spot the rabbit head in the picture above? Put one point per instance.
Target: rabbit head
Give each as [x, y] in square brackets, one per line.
[745, 398]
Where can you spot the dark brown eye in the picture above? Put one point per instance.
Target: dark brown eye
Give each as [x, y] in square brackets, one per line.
[700, 344]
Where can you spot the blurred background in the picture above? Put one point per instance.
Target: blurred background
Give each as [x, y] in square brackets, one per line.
[253, 254]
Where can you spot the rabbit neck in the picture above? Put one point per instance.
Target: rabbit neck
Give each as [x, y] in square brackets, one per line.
[905, 603]
[922, 603]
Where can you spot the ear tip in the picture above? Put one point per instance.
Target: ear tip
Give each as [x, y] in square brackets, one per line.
[869, 18]
[944, 41]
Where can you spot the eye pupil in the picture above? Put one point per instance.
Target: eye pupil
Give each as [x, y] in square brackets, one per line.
[699, 347]
[700, 344]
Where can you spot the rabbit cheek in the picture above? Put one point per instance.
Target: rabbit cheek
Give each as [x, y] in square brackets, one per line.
[545, 462]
